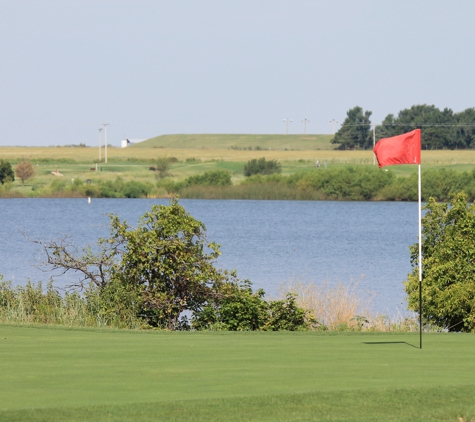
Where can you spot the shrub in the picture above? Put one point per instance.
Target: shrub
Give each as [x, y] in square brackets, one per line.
[261, 166]
[24, 171]
[6, 172]
[237, 308]
[210, 178]
[448, 265]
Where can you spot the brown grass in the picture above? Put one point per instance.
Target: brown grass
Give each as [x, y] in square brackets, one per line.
[342, 307]
[90, 155]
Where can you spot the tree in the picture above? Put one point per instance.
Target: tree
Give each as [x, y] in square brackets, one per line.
[24, 171]
[163, 167]
[166, 263]
[436, 124]
[448, 265]
[355, 132]
[169, 261]
[6, 172]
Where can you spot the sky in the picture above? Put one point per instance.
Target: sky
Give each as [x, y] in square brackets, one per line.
[149, 68]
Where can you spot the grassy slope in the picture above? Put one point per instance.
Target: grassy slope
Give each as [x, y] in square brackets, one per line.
[73, 374]
[220, 141]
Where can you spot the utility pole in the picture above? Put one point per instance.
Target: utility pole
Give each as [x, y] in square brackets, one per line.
[374, 143]
[305, 121]
[333, 122]
[105, 141]
[287, 121]
[100, 144]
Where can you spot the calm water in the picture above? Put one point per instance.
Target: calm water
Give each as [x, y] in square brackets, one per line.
[268, 242]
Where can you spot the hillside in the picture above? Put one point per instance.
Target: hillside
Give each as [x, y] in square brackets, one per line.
[239, 141]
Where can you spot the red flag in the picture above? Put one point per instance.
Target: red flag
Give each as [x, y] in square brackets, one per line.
[401, 149]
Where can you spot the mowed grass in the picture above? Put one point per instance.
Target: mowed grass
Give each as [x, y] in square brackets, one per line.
[52, 374]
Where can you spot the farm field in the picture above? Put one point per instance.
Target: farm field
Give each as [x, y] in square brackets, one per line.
[53, 373]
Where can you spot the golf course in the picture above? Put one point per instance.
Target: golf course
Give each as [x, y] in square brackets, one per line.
[60, 373]
[83, 172]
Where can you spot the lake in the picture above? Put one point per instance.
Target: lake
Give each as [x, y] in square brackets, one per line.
[267, 242]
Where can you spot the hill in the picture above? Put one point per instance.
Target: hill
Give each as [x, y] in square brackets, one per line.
[239, 141]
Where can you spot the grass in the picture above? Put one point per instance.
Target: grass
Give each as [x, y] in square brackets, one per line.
[227, 141]
[83, 374]
[133, 163]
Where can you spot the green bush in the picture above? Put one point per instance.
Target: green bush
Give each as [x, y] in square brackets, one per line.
[261, 166]
[237, 308]
[448, 265]
[210, 178]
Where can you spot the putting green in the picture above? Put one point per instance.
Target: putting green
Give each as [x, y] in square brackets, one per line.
[71, 368]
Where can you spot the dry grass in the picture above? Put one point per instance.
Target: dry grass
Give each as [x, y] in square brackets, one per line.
[342, 307]
[90, 155]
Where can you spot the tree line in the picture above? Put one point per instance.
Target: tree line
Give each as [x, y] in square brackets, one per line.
[441, 129]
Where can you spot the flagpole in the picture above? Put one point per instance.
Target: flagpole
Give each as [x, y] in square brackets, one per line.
[419, 189]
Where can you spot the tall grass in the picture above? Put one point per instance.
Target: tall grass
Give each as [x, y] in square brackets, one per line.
[342, 307]
[31, 304]
[336, 307]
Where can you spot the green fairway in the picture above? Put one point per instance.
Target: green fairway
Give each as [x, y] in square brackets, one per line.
[80, 374]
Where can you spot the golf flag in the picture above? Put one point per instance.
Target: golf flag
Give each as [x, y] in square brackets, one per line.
[405, 149]
[401, 149]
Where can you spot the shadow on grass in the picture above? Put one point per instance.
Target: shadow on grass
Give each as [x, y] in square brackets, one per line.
[390, 342]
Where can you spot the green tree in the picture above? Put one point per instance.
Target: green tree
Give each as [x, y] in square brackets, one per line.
[169, 261]
[355, 132]
[437, 132]
[24, 171]
[163, 167]
[6, 172]
[464, 132]
[448, 265]
[163, 267]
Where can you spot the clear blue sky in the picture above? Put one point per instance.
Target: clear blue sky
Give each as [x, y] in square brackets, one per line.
[224, 66]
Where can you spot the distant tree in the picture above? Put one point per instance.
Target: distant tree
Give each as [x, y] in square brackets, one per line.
[24, 171]
[438, 132]
[261, 166]
[355, 132]
[163, 167]
[464, 132]
[6, 172]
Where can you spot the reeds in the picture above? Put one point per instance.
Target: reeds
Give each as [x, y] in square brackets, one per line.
[342, 307]
[30, 304]
[335, 306]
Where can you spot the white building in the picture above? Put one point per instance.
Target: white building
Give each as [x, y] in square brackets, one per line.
[126, 142]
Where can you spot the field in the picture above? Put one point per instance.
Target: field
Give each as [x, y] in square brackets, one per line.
[195, 154]
[53, 374]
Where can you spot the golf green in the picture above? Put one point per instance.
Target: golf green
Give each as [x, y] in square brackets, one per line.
[60, 368]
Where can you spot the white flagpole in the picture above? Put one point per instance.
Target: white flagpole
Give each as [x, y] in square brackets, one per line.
[420, 258]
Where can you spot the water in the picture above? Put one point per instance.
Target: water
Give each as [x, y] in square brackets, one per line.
[268, 242]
